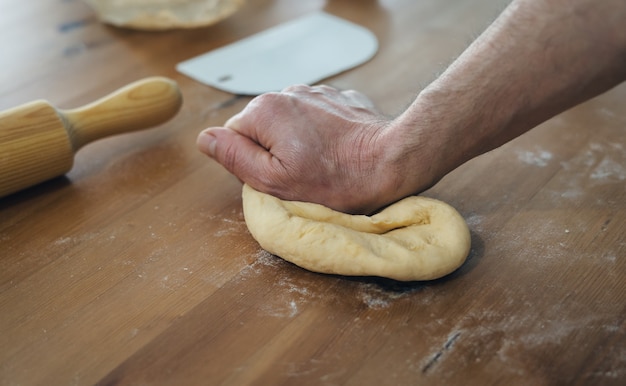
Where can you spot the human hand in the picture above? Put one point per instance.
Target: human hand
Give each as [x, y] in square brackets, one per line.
[314, 144]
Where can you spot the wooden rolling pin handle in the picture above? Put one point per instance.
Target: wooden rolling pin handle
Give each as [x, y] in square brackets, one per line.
[38, 141]
[139, 105]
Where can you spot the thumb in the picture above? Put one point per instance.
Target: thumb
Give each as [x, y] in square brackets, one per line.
[237, 153]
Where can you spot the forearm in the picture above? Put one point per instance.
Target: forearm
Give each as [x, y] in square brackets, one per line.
[539, 58]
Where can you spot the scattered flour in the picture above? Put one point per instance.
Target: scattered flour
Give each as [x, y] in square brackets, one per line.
[63, 241]
[291, 292]
[603, 163]
[608, 169]
[75, 240]
[229, 226]
[594, 166]
[538, 157]
[517, 337]
[374, 296]
[288, 296]
[474, 220]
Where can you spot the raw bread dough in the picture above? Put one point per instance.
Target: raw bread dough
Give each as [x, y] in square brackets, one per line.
[417, 238]
[164, 14]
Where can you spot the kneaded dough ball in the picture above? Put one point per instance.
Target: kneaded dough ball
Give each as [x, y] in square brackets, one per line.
[416, 238]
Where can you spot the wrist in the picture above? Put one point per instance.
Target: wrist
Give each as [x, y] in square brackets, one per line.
[418, 150]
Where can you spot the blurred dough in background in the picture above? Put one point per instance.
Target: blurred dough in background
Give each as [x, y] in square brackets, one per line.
[163, 14]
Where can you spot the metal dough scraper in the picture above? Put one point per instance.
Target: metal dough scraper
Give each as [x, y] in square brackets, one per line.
[302, 51]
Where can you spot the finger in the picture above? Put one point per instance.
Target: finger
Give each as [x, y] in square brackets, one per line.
[258, 115]
[237, 153]
[233, 122]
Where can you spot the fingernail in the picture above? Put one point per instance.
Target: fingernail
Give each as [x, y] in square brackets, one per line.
[206, 143]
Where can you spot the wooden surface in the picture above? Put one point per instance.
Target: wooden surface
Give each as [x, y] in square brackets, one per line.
[137, 267]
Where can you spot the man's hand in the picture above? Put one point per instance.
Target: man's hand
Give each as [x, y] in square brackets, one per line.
[313, 144]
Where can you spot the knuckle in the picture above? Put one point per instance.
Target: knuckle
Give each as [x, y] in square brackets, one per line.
[263, 102]
[297, 88]
[326, 88]
[261, 99]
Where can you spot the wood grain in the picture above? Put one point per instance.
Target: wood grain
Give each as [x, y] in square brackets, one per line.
[137, 267]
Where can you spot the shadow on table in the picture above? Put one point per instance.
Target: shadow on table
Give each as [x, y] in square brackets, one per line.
[395, 286]
[45, 188]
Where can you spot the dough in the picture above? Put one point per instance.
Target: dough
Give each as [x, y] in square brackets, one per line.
[416, 238]
[164, 14]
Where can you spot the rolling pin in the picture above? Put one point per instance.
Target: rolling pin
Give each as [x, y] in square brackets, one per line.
[38, 141]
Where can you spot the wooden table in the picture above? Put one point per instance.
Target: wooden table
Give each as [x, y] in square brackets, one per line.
[137, 267]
